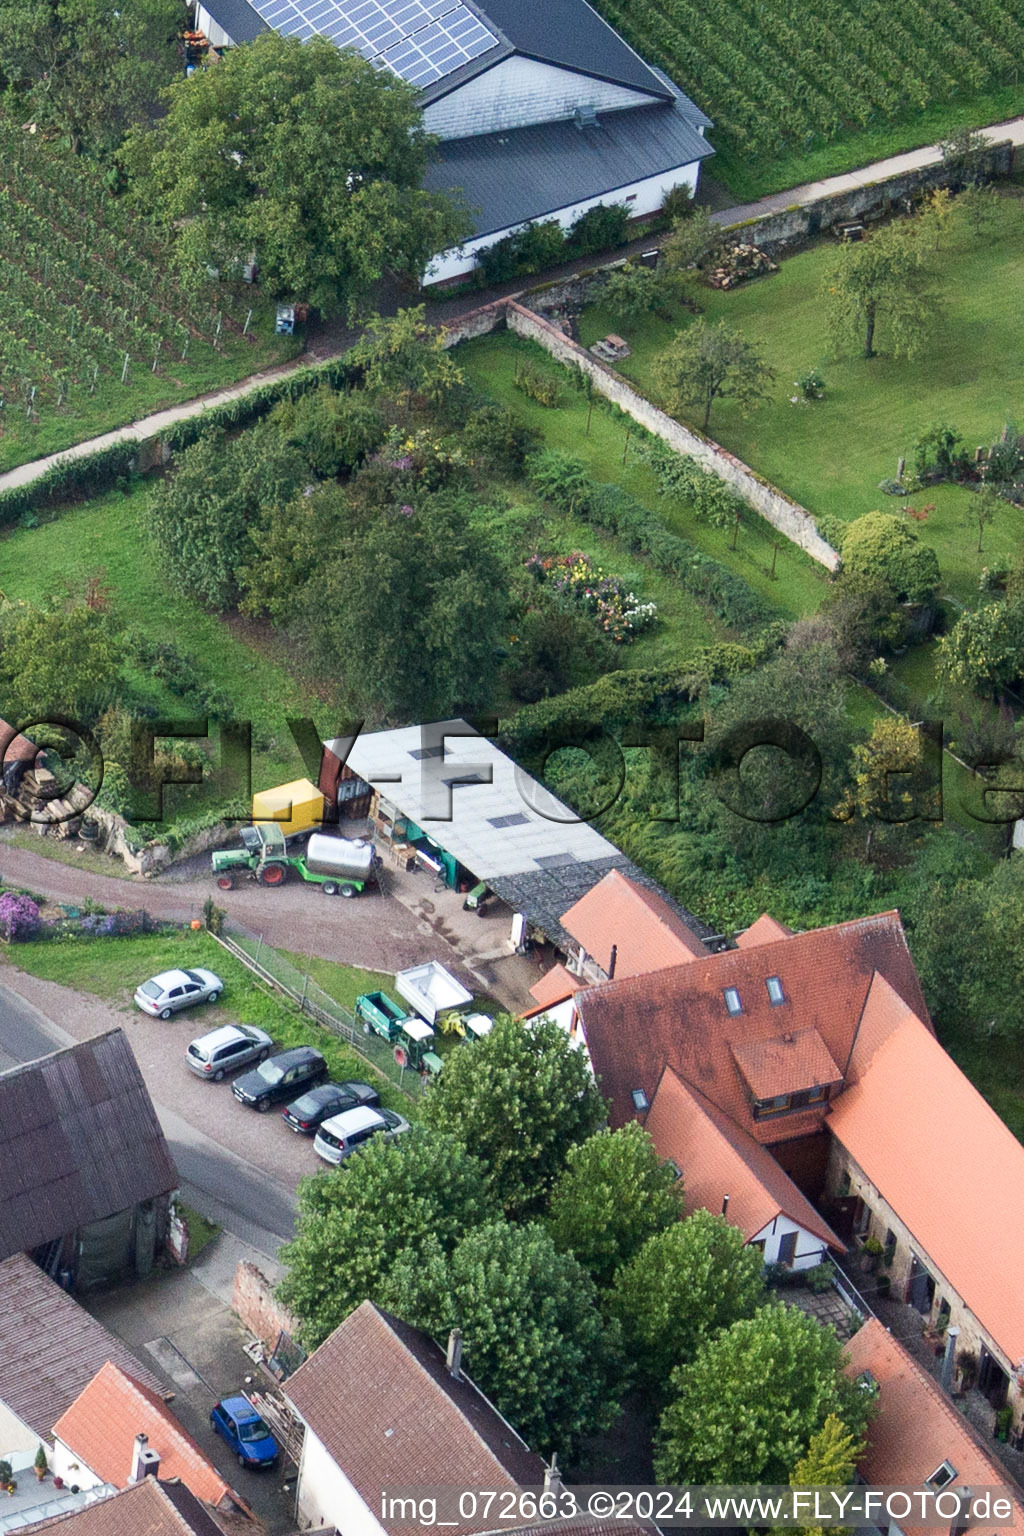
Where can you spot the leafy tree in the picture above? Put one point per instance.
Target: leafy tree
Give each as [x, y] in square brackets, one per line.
[941, 214]
[519, 1101]
[409, 607]
[612, 1195]
[981, 509]
[332, 429]
[745, 1409]
[301, 154]
[695, 242]
[878, 547]
[402, 356]
[892, 779]
[633, 291]
[553, 648]
[978, 206]
[985, 648]
[963, 149]
[939, 451]
[90, 69]
[861, 617]
[203, 518]
[706, 363]
[409, 1200]
[60, 656]
[966, 946]
[880, 280]
[684, 1286]
[830, 1462]
[535, 1341]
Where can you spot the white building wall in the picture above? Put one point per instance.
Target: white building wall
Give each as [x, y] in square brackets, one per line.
[64, 1463]
[326, 1497]
[15, 1434]
[519, 92]
[214, 31]
[642, 197]
[810, 1250]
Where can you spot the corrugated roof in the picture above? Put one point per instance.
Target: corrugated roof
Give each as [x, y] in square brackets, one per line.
[915, 1427]
[100, 1429]
[942, 1158]
[530, 173]
[150, 1508]
[642, 928]
[379, 1397]
[788, 1063]
[79, 1140]
[679, 1017]
[50, 1347]
[717, 1158]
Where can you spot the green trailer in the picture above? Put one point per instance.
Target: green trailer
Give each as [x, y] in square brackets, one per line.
[411, 1038]
[341, 866]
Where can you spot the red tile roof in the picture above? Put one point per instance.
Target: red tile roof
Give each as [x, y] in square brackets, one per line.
[765, 931]
[636, 1027]
[943, 1160]
[916, 1427]
[101, 1425]
[716, 1159]
[645, 932]
[787, 1063]
[150, 1508]
[555, 986]
[379, 1397]
[15, 748]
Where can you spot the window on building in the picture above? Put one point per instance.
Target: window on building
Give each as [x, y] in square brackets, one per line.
[942, 1475]
[775, 991]
[867, 1382]
[815, 1095]
[732, 1000]
[890, 1245]
[640, 1099]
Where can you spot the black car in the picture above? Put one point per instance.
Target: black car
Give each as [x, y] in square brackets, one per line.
[319, 1104]
[280, 1077]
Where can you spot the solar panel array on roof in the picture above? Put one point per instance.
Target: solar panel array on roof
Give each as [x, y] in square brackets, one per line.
[420, 40]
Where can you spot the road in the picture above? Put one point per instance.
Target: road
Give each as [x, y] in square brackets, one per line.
[237, 1168]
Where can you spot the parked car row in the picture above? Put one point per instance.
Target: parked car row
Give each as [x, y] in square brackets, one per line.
[341, 1117]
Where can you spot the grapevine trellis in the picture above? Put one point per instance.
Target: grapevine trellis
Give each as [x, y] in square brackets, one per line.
[85, 283]
[778, 75]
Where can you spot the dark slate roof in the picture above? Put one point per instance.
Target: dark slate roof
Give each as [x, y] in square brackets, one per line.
[79, 1140]
[529, 173]
[50, 1347]
[238, 18]
[544, 895]
[569, 34]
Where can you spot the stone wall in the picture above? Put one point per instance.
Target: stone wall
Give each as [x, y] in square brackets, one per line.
[117, 839]
[788, 517]
[253, 1300]
[477, 322]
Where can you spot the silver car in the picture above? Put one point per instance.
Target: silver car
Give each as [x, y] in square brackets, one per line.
[224, 1049]
[342, 1135]
[165, 994]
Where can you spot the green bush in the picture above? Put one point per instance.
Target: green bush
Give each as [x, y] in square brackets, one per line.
[496, 440]
[560, 478]
[530, 249]
[599, 229]
[540, 387]
[819, 1279]
[332, 430]
[880, 547]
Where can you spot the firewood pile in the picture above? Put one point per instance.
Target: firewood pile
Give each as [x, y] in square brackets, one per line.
[740, 263]
[38, 800]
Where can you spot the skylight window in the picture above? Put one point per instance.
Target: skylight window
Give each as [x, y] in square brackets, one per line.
[775, 991]
[942, 1476]
[640, 1099]
[732, 1000]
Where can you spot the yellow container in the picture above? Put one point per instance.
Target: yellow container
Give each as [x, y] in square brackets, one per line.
[295, 807]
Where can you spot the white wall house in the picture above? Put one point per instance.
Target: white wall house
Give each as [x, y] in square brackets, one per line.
[784, 1241]
[327, 1497]
[542, 110]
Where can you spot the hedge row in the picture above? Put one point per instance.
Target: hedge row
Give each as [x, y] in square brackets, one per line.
[94, 473]
[562, 479]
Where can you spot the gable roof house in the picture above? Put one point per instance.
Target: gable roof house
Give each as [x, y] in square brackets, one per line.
[50, 1349]
[541, 108]
[100, 1438]
[85, 1171]
[148, 1508]
[916, 1437]
[383, 1408]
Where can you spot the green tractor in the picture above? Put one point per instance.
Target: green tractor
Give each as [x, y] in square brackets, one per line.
[341, 866]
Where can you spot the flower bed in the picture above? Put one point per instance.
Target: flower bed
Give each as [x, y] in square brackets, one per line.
[619, 613]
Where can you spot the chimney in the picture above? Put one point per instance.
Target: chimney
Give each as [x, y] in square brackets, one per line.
[552, 1476]
[145, 1463]
[725, 1204]
[454, 1356]
[949, 1358]
[611, 962]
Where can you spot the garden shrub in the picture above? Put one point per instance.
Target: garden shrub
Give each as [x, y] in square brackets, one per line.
[332, 430]
[678, 203]
[879, 547]
[496, 440]
[561, 478]
[19, 917]
[527, 250]
[599, 229]
[939, 451]
[575, 579]
[540, 387]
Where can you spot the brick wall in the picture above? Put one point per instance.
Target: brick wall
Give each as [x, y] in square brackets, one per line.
[253, 1299]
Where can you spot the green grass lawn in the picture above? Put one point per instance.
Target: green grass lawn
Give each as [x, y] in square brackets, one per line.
[257, 668]
[830, 455]
[490, 362]
[115, 404]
